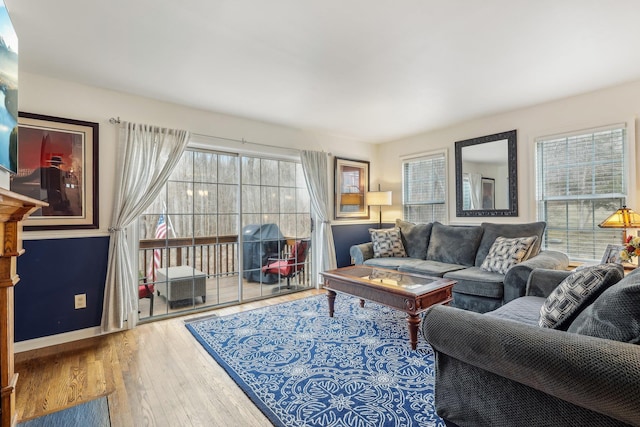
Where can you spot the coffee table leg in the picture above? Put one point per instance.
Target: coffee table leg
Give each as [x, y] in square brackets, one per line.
[414, 322]
[361, 303]
[331, 296]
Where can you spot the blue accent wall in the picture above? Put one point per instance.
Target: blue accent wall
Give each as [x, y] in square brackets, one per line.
[53, 271]
[345, 236]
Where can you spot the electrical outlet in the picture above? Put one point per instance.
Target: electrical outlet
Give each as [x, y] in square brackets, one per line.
[80, 301]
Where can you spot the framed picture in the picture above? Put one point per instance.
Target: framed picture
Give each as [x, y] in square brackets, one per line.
[612, 254]
[58, 164]
[351, 187]
[488, 193]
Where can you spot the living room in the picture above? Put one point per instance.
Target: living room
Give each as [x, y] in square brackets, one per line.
[45, 314]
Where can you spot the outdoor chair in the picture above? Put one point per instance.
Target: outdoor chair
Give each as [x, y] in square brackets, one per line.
[146, 290]
[290, 266]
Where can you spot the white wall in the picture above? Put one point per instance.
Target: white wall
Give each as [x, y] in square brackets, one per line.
[44, 95]
[614, 105]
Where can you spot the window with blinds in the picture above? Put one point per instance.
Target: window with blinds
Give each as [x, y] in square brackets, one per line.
[424, 189]
[581, 180]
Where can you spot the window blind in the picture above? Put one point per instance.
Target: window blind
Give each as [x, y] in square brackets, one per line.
[581, 180]
[424, 189]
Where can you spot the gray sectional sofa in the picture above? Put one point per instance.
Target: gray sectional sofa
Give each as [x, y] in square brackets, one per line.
[503, 369]
[457, 252]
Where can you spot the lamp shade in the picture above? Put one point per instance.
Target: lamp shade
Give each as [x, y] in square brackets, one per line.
[622, 218]
[379, 198]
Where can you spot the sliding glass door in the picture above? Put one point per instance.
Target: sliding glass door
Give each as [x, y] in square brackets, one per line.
[223, 231]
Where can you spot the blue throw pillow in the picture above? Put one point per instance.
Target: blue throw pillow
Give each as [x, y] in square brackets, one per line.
[415, 238]
[454, 244]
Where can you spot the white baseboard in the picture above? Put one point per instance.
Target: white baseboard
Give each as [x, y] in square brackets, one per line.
[66, 337]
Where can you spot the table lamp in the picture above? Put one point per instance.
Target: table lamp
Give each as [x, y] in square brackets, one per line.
[622, 218]
[380, 199]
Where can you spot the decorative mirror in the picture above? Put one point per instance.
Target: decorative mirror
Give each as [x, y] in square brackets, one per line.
[487, 176]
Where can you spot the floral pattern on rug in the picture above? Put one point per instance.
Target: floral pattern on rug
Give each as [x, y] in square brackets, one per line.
[304, 368]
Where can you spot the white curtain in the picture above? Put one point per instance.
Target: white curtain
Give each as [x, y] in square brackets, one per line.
[314, 165]
[475, 185]
[148, 155]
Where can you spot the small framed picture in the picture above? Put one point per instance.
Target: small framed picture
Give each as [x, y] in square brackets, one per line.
[612, 254]
[351, 187]
[488, 193]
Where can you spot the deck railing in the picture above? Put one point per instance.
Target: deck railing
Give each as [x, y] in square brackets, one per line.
[213, 255]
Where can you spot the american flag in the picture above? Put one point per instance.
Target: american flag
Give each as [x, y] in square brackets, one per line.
[161, 233]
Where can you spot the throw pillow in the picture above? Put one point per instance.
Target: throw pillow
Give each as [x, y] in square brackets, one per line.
[615, 315]
[387, 243]
[505, 253]
[415, 238]
[576, 292]
[454, 244]
[493, 230]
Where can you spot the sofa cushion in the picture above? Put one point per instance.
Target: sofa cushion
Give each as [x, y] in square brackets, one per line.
[576, 292]
[474, 302]
[615, 314]
[492, 231]
[429, 268]
[415, 238]
[476, 281]
[505, 253]
[454, 244]
[524, 310]
[387, 243]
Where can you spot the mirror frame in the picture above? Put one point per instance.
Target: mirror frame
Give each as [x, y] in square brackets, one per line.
[512, 160]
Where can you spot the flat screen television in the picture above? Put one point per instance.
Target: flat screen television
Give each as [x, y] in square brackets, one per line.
[8, 92]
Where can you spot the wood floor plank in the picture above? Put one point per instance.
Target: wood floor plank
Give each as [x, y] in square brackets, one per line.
[154, 375]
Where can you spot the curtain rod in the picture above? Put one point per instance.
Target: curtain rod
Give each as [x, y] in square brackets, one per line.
[116, 120]
[244, 141]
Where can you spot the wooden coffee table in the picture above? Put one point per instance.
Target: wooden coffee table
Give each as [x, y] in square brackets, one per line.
[409, 293]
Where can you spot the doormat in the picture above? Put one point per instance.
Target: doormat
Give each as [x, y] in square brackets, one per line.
[94, 413]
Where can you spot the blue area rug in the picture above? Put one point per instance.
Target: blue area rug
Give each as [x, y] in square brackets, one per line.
[304, 368]
[94, 413]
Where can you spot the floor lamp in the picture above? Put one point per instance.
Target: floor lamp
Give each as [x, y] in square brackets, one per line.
[380, 199]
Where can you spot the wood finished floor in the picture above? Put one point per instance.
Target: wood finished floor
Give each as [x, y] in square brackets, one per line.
[154, 375]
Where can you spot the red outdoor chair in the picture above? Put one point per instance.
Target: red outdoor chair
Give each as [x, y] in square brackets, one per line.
[145, 290]
[291, 266]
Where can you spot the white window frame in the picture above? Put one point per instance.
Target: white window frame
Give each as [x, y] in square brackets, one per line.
[601, 237]
[422, 157]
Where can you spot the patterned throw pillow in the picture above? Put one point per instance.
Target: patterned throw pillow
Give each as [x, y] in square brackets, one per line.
[576, 292]
[387, 243]
[505, 253]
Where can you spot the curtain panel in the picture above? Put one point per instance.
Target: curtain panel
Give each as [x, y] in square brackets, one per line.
[147, 156]
[316, 174]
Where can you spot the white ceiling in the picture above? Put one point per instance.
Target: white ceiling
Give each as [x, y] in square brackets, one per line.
[372, 70]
